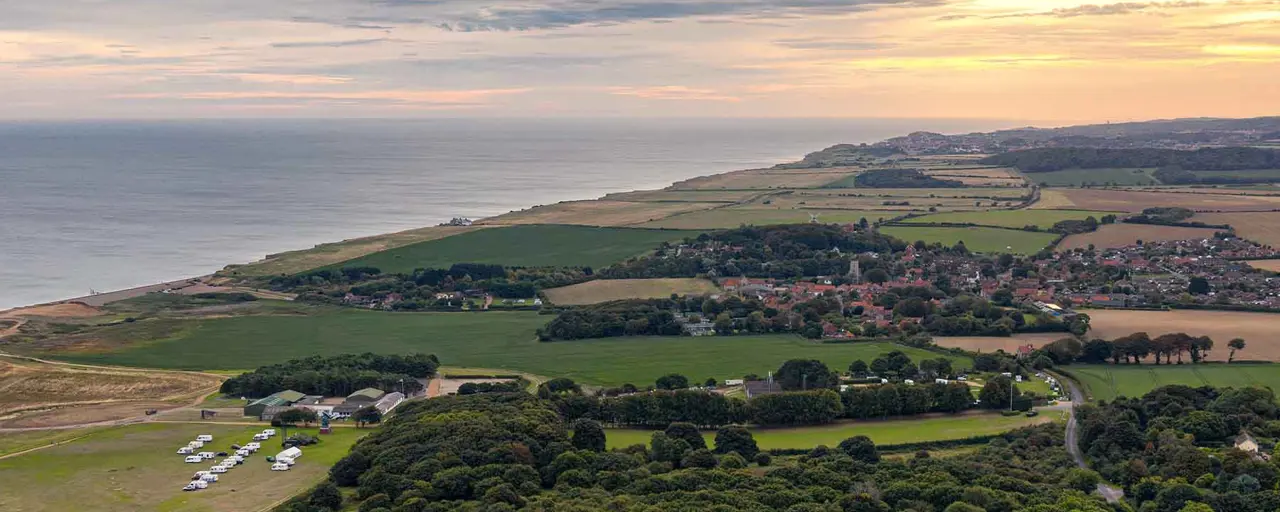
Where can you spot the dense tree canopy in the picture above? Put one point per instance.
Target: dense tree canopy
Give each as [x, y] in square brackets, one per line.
[336, 375]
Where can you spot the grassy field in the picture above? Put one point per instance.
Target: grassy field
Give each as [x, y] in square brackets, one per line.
[1106, 382]
[597, 213]
[1093, 177]
[525, 246]
[502, 340]
[1044, 219]
[881, 432]
[13, 442]
[327, 254]
[725, 218]
[135, 468]
[977, 239]
[604, 290]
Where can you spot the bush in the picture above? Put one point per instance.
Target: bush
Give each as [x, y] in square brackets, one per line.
[763, 459]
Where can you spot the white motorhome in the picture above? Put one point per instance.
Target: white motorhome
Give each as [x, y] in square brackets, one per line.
[279, 466]
[204, 438]
[253, 446]
[193, 458]
[196, 444]
[291, 453]
[261, 437]
[243, 452]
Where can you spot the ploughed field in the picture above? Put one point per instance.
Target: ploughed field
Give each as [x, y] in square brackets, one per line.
[1106, 382]
[522, 246]
[500, 340]
[889, 432]
[135, 468]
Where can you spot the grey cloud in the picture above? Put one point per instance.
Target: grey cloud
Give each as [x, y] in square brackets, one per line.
[331, 44]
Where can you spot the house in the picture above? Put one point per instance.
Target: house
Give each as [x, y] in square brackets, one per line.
[365, 396]
[284, 398]
[756, 388]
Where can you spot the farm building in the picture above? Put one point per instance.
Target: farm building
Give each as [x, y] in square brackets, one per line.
[389, 402]
[366, 395]
[281, 399]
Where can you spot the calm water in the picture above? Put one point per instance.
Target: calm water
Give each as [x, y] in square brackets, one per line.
[114, 205]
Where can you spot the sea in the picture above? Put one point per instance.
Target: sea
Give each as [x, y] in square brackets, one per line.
[107, 205]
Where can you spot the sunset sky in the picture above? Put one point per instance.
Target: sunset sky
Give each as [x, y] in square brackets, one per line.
[1040, 59]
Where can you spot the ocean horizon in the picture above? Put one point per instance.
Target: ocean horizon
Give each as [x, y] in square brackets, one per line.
[107, 205]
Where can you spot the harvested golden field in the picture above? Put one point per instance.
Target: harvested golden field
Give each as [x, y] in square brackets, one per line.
[727, 218]
[992, 177]
[1272, 265]
[1261, 227]
[975, 193]
[989, 344]
[605, 290]
[863, 199]
[46, 394]
[1259, 330]
[1120, 235]
[687, 196]
[294, 262]
[1134, 202]
[767, 179]
[596, 213]
[1052, 200]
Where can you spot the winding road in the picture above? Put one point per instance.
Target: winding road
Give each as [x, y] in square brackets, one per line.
[1109, 492]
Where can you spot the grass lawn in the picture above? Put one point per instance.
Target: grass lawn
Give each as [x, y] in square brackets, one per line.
[977, 239]
[524, 246]
[501, 340]
[135, 468]
[1081, 177]
[1106, 382]
[1043, 219]
[933, 428]
[13, 442]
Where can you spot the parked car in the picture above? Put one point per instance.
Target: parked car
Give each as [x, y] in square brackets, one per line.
[279, 466]
[193, 458]
[222, 454]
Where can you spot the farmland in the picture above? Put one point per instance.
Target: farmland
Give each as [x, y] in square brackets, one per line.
[522, 246]
[1121, 235]
[134, 468]
[977, 239]
[1272, 265]
[763, 179]
[1083, 177]
[1258, 329]
[604, 290]
[40, 395]
[1043, 219]
[597, 213]
[500, 340]
[725, 218]
[294, 262]
[1105, 382]
[1261, 227]
[936, 428]
[991, 344]
[1134, 202]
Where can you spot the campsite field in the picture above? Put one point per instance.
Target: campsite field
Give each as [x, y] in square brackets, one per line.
[1261, 227]
[522, 246]
[1258, 329]
[1106, 382]
[977, 239]
[1121, 235]
[727, 218]
[500, 340]
[914, 430]
[605, 290]
[1043, 219]
[135, 468]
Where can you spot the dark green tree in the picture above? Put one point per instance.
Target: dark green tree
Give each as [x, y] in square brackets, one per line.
[860, 448]
[801, 374]
[588, 435]
[688, 433]
[736, 439]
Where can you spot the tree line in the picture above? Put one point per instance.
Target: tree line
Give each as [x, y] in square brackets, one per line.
[336, 375]
[1207, 159]
[1137, 347]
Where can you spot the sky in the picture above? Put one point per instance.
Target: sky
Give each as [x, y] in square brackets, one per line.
[1061, 60]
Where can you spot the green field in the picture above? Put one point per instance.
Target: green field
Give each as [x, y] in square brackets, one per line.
[1093, 177]
[135, 468]
[977, 239]
[725, 218]
[522, 246]
[502, 340]
[1043, 219]
[942, 428]
[1105, 382]
[1252, 174]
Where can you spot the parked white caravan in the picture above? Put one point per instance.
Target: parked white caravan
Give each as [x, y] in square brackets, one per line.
[207, 455]
[201, 484]
[279, 466]
[291, 453]
[193, 458]
[209, 477]
[269, 432]
[196, 444]
[261, 437]
[243, 452]
[185, 450]
[204, 438]
[218, 469]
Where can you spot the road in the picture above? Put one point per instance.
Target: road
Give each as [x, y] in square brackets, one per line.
[1111, 493]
